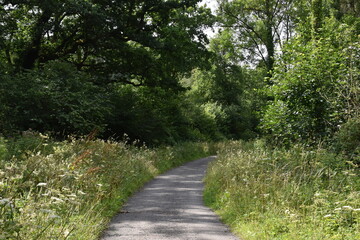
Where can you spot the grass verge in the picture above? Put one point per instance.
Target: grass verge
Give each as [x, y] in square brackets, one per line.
[71, 189]
[266, 193]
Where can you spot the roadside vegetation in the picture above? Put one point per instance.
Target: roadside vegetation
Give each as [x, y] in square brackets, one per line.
[301, 179]
[276, 193]
[71, 189]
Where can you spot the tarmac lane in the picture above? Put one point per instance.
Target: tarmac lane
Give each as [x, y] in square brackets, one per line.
[170, 207]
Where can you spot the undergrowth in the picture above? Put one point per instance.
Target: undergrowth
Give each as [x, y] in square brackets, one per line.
[267, 193]
[71, 189]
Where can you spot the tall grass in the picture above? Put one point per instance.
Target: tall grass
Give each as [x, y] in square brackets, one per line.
[265, 193]
[70, 189]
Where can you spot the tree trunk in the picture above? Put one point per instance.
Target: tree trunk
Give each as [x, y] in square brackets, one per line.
[317, 15]
[270, 42]
[32, 52]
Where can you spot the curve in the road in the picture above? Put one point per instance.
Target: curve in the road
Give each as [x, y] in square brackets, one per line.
[170, 207]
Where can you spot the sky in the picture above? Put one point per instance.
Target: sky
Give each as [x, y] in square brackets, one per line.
[211, 4]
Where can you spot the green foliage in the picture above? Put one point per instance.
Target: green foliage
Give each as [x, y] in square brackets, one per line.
[157, 116]
[272, 193]
[65, 65]
[73, 189]
[226, 92]
[258, 26]
[20, 147]
[347, 139]
[128, 41]
[3, 150]
[57, 98]
[311, 87]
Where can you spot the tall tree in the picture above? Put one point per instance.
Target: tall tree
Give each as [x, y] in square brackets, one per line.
[132, 41]
[71, 66]
[261, 26]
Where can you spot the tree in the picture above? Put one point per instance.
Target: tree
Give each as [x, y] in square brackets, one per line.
[261, 26]
[314, 84]
[225, 90]
[135, 42]
[74, 66]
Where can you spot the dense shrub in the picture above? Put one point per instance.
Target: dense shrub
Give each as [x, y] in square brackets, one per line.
[55, 98]
[347, 140]
[315, 85]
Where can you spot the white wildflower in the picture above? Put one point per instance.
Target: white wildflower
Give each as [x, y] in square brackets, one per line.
[42, 184]
[44, 136]
[66, 232]
[4, 201]
[57, 199]
[287, 211]
[53, 216]
[46, 211]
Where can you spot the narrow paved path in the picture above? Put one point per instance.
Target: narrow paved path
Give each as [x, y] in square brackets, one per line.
[170, 207]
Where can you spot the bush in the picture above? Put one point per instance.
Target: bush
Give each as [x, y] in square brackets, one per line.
[314, 82]
[347, 140]
[55, 98]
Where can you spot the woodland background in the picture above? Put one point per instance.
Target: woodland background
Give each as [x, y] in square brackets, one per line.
[89, 78]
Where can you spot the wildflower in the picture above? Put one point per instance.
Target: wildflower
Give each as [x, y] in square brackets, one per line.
[46, 211]
[57, 199]
[53, 216]
[4, 201]
[43, 136]
[66, 232]
[42, 184]
[287, 211]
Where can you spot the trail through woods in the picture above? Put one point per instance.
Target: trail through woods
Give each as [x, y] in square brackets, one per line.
[170, 207]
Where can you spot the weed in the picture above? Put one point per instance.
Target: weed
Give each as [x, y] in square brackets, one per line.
[299, 193]
[71, 189]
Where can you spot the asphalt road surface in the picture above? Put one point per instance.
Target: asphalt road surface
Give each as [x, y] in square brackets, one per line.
[170, 207]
